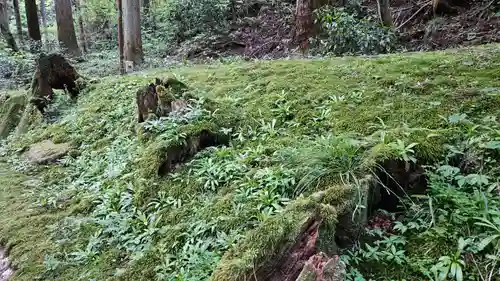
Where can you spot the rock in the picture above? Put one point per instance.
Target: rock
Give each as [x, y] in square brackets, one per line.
[5, 270]
[46, 152]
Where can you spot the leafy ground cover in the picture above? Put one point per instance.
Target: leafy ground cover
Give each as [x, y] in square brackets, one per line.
[296, 128]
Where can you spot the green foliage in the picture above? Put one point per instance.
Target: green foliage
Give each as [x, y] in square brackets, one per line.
[17, 67]
[452, 232]
[184, 19]
[345, 32]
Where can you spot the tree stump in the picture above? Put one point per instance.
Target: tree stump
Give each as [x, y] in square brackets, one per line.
[53, 72]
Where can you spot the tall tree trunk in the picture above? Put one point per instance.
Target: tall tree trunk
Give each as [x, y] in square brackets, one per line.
[4, 26]
[81, 28]
[303, 23]
[384, 12]
[119, 7]
[43, 14]
[32, 19]
[146, 6]
[66, 29]
[132, 31]
[18, 19]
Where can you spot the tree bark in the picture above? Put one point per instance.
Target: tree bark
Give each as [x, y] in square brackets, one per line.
[384, 12]
[66, 29]
[132, 31]
[303, 23]
[4, 26]
[32, 19]
[18, 19]
[81, 28]
[43, 15]
[119, 7]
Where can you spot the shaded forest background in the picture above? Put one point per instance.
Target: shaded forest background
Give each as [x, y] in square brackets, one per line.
[161, 32]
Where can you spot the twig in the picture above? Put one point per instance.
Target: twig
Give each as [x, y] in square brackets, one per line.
[487, 6]
[493, 269]
[409, 7]
[414, 15]
[481, 11]
[478, 269]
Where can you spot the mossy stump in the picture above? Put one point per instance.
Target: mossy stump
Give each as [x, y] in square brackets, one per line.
[53, 72]
[284, 245]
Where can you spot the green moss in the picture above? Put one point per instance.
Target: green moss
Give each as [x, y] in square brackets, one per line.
[23, 225]
[278, 112]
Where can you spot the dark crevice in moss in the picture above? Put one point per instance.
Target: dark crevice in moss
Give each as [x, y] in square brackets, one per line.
[396, 179]
[181, 153]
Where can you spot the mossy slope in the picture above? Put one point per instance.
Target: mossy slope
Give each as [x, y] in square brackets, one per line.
[298, 126]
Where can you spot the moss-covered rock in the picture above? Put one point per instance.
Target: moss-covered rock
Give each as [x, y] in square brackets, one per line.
[11, 111]
[334, 120]
[46, 152]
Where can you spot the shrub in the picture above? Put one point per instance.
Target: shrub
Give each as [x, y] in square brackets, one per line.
[346, 32]
[184, 19]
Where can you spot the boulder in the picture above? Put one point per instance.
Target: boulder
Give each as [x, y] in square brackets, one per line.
[46, 152]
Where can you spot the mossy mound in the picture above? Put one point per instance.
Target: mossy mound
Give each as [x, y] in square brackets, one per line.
[304, 137]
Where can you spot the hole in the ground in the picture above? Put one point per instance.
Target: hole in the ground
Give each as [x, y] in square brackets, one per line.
[396, 180]
[182, 153]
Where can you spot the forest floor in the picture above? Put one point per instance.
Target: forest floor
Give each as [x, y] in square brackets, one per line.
[109, 211]
[267, 30]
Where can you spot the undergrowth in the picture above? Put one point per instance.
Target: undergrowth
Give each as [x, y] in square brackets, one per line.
[296, 127]
[452, 232]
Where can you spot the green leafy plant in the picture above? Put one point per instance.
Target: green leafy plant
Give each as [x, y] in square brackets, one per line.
[186, 19]
[451, 266]
[343, 32]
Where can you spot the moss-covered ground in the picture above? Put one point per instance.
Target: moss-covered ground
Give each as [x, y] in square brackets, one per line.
[296, 126]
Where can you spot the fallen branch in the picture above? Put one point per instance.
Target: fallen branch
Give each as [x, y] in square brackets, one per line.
[413, 16]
